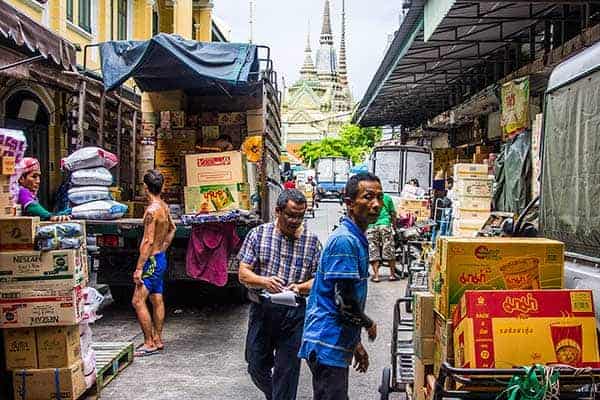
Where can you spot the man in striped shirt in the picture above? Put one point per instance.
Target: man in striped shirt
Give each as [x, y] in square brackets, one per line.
[278, 256]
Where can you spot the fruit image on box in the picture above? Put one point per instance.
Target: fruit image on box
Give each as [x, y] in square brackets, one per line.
[505, 329]
[215, 198]
[32, 268]
[494, 263]
[42, 306]
[49, 384]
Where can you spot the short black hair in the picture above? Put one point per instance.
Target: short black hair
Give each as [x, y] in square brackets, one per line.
[290, 194]
[154, 180]
[351, 189]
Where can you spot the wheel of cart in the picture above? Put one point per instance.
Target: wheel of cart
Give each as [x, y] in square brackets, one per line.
[401, 372]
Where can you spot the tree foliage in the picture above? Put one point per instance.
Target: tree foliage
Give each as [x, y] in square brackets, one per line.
[353, 142]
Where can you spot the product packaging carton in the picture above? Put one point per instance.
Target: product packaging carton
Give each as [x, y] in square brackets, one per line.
[514, 328]
[209, 132]
[421, 370]
[40, 306]
[443, 350]
[470, 171]
[255, 122]
[7, 165]
[148, 130]
[58, 346]
[215, 198]
[474, 187]
[49, 384]
[424, 348]
[17, 233]
[20, 348]
[226, 168]
[423, 314]
[29, 269]
[168, 158]
[494, 263]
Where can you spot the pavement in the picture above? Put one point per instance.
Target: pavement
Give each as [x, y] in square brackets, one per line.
[205, 341]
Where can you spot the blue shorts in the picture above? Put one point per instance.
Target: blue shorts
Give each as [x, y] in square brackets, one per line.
[154, 272]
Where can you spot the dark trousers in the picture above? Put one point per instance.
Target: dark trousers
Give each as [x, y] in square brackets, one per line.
[329, 383]
[272, 344]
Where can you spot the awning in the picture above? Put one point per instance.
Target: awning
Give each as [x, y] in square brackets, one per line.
[473, 44]
[25, 32]
[168, 62]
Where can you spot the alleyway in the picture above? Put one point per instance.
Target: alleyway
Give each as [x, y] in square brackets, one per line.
[204, 356]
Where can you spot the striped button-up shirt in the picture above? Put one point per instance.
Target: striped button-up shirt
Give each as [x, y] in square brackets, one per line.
[271, 253]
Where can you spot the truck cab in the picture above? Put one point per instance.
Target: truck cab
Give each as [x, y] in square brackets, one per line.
[332, 175]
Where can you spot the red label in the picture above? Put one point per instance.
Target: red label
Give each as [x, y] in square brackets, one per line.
[214, 161]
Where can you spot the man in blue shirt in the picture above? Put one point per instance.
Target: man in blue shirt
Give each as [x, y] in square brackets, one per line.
[335, 310]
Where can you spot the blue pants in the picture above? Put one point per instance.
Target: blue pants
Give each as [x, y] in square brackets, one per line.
[272, 344]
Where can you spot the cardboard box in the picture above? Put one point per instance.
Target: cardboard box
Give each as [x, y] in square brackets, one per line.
[17, 233]
[58, 346]
[226, 168]
[42, 306]
[168, 158]
[172, 177]
[469, 170]
[232, 118]
[4, 184]
[210, 132]
[506, 329]
[461, 214]
[5, 200]
[443, 350]
[423, 314]
[20, 348]
[424, 348]
[7, 165]
[28, 269]
[209, 118]
[50, 384]
[474, 204]
[172, 119]
[494, 263]
[474, 187]
[148, 130]
[419, 391]
[216, 198]
[255, 122]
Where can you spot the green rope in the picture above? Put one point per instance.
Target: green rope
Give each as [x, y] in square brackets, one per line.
[538, 383]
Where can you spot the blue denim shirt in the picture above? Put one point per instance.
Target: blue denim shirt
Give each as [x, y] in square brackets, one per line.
[345, 256]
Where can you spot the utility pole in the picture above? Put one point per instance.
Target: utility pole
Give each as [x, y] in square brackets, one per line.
[251, 21]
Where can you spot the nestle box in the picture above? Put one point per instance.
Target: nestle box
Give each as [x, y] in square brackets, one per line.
[224, 168]
[423, 314]
[29, 269]
[58, 346]
[41, 306]
[494, 263]
[20, 348]
[17, 233]
[50, 383]
[514, 328]
[7, 165]
[216, 198]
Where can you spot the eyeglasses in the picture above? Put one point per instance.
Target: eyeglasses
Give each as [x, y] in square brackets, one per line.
[293, 217]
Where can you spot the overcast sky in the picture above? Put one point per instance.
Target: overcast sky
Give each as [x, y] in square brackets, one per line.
[282, 25]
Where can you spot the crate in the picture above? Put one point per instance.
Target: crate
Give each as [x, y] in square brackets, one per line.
[111, 359]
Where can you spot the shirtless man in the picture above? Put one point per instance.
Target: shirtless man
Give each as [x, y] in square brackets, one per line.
[159, 231]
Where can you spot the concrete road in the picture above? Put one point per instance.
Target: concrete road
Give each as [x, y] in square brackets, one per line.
[204, 353]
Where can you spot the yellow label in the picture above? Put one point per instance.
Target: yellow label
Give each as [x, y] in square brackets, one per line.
[581, 302]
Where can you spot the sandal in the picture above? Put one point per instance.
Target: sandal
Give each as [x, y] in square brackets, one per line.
[392, 278]
[374, 280]
[144, 352]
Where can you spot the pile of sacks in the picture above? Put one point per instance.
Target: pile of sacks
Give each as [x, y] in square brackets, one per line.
[90, 179]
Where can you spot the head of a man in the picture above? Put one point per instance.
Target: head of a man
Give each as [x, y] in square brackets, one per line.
[153, 182]
[291, 206]
[30, 174]
[364, 198]
[449, 183]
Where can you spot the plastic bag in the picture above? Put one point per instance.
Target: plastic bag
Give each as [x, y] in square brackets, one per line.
[98, 176]
[59, 243]
[85, 194]
[101, 209]
[89, 157]
[13, 143]
[63, 229]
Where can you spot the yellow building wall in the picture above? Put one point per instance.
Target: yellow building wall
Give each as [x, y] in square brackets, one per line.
[28, 8]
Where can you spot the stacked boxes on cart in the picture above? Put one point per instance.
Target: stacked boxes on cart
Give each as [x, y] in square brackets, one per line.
[7, 169]
[214, 180]
[500, 303]
[46, 308]
[473, 198]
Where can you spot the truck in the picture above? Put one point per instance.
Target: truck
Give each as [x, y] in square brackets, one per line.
[332, 175]
[215, 78]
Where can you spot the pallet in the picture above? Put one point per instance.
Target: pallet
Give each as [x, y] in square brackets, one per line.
[111, 359]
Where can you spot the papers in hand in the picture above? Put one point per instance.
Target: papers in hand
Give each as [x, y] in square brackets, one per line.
[285, 298]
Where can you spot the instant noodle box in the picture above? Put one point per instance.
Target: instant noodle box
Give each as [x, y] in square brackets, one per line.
[215, 198]
[494, 263]
[511, 328]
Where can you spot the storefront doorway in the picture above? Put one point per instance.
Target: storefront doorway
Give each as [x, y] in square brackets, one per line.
[26, 112]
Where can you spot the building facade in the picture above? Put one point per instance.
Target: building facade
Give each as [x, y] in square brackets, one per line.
[320, 102]
[59, 104]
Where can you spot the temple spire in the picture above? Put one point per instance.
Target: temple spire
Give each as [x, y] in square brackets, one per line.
[326, 34]
[308, 70]
[342, 67]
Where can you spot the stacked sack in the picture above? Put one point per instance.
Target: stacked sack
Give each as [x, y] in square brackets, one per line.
[90, 180]
[46, 311]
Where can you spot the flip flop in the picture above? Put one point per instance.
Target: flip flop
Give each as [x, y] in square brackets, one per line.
[374, 280]
[161, 348]
[392, 279]
[144, 352]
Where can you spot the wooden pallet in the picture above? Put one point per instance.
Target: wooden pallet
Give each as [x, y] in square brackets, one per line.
[111, 359]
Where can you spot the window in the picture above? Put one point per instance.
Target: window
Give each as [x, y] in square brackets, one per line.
[70, 10]
[85, 15]
[121, 19]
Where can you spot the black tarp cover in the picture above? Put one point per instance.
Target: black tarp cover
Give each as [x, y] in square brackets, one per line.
[570, 201]
[513, 174]
[169, 62]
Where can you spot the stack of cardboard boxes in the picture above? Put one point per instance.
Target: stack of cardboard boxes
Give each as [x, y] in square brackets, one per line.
[7, 168]
[418, 208]
[41, 306]
[473, 190]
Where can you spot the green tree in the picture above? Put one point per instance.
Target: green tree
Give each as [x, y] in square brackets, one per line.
[354, 143]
